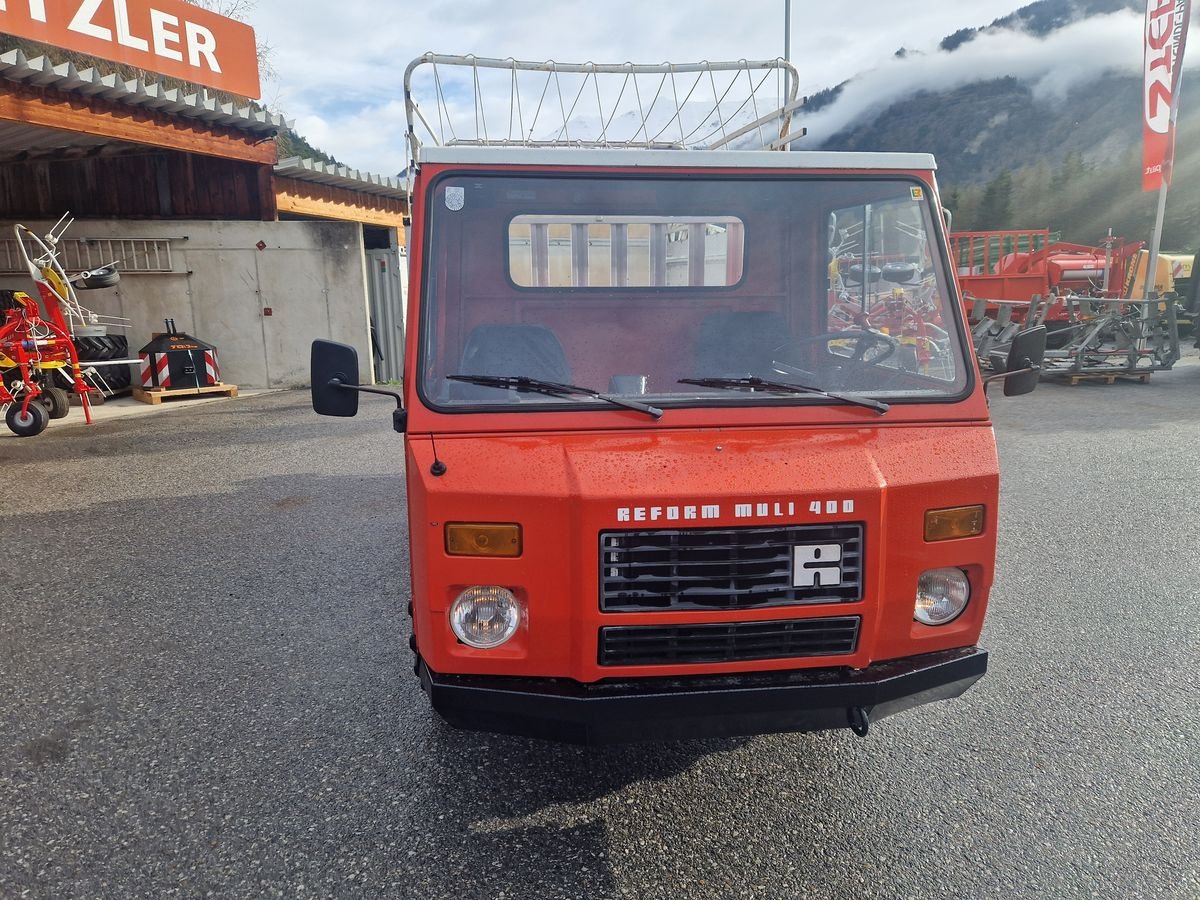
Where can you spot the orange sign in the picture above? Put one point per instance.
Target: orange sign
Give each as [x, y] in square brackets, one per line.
[170, 37]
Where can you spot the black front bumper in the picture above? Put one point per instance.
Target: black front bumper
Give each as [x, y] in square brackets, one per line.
[645, 709]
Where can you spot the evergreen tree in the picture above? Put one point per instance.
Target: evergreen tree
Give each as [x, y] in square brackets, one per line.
[1032, 205]
[995, 210]
[1067, 177]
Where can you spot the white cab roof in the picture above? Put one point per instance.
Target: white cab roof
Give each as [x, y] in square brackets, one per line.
[717, 159]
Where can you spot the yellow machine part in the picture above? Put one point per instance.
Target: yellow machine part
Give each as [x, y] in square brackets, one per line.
[1164, 278]
[25, 300]
[1181, 263]
[7, 362]
[56, 283]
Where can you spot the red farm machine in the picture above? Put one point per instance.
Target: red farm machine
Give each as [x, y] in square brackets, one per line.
[38, 351]
[1090, 298]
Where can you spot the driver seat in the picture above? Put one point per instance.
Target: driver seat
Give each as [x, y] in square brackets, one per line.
[737, 344]
[530, 350]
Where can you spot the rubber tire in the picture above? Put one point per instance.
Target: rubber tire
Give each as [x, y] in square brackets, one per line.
[102, 346]
[97, 348]
[118, 378]
[104, 277]
[57, 402]
[90, 348]
[37, 420]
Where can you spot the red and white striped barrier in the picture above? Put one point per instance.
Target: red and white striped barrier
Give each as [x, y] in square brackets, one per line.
[156, 370]
[212, 371]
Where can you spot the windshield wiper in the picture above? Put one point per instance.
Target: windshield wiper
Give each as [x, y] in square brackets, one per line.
[523, 384]
[754, 382]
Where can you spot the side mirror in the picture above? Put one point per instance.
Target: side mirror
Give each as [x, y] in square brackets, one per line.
[1023, 367]
[335, 386]
[334, 369]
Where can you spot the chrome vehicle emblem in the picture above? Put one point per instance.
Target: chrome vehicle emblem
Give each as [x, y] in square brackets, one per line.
[816, 565]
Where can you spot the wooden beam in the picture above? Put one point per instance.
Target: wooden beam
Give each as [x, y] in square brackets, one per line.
[266, 195]
[323, 201]
[136, 125]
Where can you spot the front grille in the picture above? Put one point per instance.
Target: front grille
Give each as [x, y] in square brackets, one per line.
[650, 645]
[722, 568]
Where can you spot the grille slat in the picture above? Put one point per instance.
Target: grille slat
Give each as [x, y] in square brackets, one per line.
[722, 568]
[652, 564]
[648, 645]
[816, 637]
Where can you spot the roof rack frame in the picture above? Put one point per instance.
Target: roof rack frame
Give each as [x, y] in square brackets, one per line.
[723, 124]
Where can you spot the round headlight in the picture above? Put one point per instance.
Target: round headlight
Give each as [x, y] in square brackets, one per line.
[485, 616]
[942, 595]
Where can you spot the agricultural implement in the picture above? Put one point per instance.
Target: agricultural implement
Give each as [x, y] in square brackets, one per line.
[37, 342]
[894, 296]
[1091, 299]
[29, 348]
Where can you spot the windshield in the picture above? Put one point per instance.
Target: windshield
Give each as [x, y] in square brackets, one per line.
[707, 290]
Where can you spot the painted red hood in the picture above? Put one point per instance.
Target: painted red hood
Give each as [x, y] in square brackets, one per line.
[565, 489]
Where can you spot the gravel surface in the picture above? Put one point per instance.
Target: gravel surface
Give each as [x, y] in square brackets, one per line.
[205, 688]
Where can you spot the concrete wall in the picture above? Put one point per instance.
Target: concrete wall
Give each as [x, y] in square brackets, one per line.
[311, 275]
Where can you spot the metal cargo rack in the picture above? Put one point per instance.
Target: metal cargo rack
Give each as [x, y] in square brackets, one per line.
[478, 101]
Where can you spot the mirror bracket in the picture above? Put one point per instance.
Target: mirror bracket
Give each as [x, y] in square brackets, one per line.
[1027, 366]
[399, 415]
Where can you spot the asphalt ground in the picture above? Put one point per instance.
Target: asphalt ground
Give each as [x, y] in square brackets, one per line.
[205, 689]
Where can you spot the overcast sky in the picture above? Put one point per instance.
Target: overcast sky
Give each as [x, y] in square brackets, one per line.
[340, 64]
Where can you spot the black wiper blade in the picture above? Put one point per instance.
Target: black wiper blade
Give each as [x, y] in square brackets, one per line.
[755, 383]
[524, 384]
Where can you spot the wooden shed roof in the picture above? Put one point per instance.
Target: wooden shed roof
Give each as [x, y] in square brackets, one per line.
[40, 71]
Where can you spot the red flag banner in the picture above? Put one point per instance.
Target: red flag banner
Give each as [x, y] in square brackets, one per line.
[1165, 37]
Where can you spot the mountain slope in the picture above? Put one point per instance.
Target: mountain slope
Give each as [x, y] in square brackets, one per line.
[1043, 106]
[979, 129]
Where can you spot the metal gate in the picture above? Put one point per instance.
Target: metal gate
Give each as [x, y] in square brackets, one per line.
[387, 288]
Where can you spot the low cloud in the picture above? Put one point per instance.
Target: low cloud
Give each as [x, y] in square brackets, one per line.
[340, 68]
[1054, 64]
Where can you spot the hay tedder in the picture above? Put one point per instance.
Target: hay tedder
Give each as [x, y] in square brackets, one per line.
[38, 341]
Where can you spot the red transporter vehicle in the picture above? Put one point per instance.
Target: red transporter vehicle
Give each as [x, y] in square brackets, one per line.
[657, 486]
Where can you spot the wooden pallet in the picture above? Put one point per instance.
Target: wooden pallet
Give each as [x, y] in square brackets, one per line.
[155, 396]
[97, 397]
[1107, 377]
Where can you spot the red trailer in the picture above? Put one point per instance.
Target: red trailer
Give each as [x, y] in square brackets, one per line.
[1016, 266]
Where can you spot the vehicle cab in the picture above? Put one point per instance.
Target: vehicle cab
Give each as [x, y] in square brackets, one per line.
[696, 443]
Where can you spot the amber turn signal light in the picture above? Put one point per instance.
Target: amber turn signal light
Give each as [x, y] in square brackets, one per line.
[468, 539]
[958, 522]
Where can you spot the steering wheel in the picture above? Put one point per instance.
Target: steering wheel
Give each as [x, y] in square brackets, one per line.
[864, 343]
[870, 348]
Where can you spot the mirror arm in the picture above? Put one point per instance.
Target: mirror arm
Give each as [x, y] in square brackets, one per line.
[1003, 375]
[338, 383]
[399, 416]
